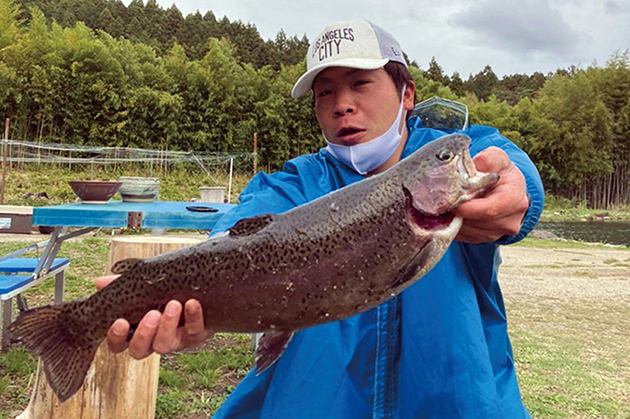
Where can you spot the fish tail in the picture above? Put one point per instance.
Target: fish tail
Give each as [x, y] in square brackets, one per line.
[62, 342]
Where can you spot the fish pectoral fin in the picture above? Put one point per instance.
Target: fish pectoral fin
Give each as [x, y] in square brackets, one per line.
[125, 265]
[248, 226]
[271, 345]
[423, 259]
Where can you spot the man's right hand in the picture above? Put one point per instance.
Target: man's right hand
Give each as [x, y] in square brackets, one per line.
[158, 332]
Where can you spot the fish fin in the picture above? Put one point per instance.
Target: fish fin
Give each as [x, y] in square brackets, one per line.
[412, 270]
[270, 347]
[248, 226]
[125, 265]
[66, 356]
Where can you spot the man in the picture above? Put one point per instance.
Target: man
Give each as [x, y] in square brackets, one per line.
[440, 349]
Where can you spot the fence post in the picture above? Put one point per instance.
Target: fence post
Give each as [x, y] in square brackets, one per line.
[230, 184]
[5, 144]
[255, 152]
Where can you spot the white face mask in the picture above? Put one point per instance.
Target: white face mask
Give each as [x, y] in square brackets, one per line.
[366, 157]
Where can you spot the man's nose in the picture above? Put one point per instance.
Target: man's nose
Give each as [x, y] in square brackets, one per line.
[344, 104]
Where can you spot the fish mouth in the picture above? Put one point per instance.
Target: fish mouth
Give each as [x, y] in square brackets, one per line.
[428, 222]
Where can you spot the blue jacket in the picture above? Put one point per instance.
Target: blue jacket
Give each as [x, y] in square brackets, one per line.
[440, 349]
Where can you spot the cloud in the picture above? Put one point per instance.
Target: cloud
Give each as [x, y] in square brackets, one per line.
[613, 7]
[463, 35]
[532, 27]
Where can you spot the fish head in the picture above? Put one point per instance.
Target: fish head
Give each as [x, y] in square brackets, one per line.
[440, 176]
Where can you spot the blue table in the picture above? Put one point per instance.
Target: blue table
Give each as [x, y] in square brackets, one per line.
[118, 214]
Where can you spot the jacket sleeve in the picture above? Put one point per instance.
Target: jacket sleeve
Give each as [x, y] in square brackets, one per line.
[484, 137]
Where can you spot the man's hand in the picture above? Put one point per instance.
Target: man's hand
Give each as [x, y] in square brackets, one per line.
[501, 211]
[158, 332]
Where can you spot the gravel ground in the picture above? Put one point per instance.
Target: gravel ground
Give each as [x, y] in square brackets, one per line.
[565, 274]
[30, 238]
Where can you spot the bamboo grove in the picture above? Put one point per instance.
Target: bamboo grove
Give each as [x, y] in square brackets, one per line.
[142, 76]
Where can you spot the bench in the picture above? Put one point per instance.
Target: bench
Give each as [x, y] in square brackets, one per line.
[18, 275]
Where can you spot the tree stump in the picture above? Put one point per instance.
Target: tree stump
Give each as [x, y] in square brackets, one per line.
[117, 386]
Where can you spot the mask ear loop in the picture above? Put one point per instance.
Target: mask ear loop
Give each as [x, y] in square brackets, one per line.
[401, 124]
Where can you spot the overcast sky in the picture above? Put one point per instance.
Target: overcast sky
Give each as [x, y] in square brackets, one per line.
[512, 36]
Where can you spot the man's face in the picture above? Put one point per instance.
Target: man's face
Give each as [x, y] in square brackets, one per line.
[355, 106]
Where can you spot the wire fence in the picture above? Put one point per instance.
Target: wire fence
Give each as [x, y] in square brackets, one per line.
[65, 154]
[21, 154]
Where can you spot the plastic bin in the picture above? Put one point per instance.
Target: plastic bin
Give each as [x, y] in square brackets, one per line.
[16, 219]
[215, 194]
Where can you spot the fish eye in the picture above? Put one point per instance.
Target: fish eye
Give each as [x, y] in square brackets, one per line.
[445, 155]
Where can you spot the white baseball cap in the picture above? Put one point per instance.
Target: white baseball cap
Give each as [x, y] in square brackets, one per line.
[356, 44]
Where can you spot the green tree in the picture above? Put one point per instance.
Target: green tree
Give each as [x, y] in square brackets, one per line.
[483, 83]
[457, 85]
[105, 20]
[435, 73]
[573, 138]
[9, 23]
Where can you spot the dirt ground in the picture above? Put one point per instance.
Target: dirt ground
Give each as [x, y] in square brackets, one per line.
[569, 319]
[564, 274]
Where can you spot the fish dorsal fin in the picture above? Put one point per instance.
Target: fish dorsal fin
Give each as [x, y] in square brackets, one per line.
[125, 265]
[248, 226]
[271, 345]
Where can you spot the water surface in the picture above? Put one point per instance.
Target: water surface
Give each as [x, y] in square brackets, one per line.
[612, 232]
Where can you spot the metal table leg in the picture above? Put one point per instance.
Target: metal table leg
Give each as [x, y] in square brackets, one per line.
[59, 285]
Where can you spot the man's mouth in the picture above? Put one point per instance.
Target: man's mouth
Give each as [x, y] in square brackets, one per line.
[348, 132]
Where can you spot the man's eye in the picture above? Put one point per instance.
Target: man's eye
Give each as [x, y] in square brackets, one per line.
[323, 93]
[361, 82]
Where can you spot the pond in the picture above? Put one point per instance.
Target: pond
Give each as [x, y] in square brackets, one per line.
[612, 232]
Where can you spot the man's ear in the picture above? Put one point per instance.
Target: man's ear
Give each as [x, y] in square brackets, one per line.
[409, 96]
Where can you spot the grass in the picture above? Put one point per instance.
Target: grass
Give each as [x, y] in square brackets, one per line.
[195, 384]
[571, 358]
[565, 244]
[584, 214]
[572, 361]
[562, 209]
[180, 183]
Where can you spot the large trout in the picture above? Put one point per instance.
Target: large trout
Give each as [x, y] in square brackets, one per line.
[327, 260]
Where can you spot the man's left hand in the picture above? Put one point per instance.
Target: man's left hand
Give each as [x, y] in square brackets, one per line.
[501, 211]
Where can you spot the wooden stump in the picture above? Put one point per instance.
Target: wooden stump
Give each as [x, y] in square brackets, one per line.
[117, 386]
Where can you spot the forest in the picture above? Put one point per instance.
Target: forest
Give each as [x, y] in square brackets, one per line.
[101, 73]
